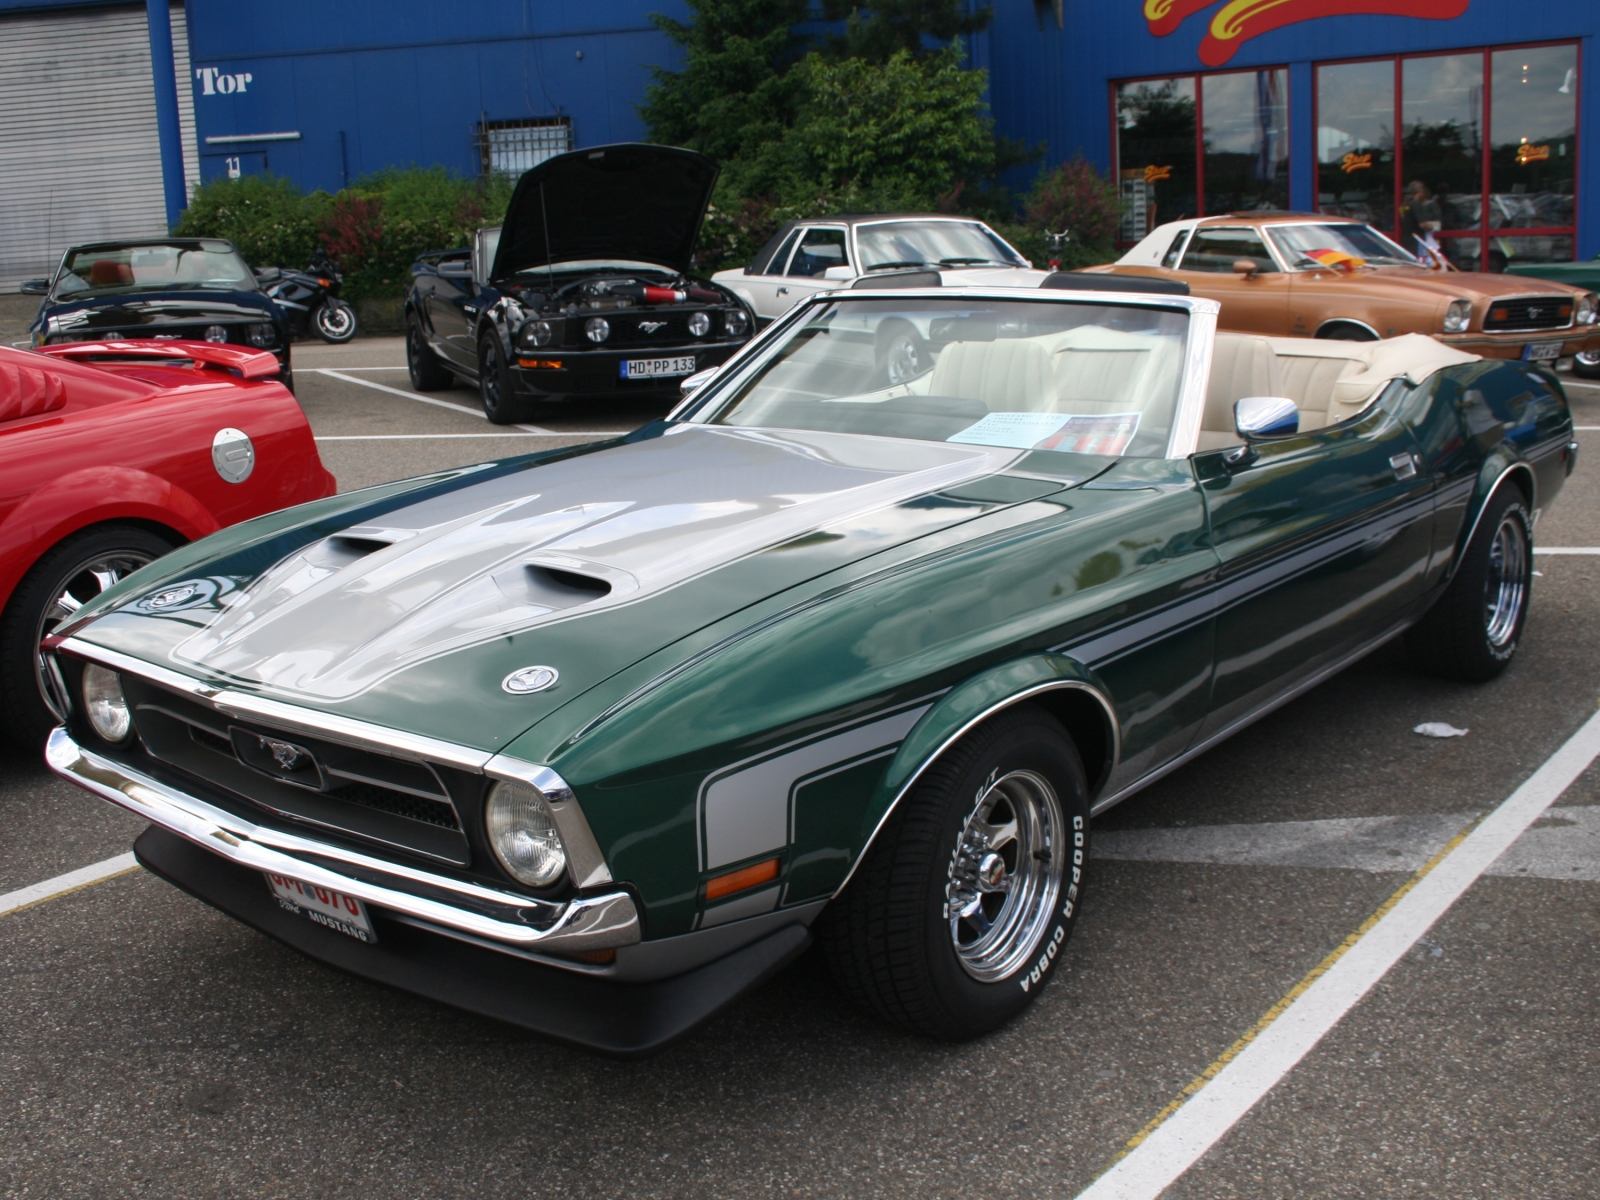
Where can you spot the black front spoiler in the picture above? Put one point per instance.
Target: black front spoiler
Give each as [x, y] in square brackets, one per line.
[628, 1020]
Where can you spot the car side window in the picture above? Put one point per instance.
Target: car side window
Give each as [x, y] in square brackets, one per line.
[1216, 250]
[775, 264]
[819, 250]
[1174, 251]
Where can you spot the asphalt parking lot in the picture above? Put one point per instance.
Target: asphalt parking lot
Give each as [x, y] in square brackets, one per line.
[152, 1047]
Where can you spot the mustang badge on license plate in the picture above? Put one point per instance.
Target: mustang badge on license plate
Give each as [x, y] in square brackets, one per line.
[324, 906]
[1541, 352]
[655, 368]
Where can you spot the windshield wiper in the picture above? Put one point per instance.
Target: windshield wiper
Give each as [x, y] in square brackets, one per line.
[921, 262]
[993, 262]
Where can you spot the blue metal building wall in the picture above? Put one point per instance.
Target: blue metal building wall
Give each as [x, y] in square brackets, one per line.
[1053, 85]
[368, 84]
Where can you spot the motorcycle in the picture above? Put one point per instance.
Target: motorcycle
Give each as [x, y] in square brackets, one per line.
[310, 299]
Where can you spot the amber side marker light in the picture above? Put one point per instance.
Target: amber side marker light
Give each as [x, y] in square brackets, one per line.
[740, 880]
[540, 364]
[603, 957]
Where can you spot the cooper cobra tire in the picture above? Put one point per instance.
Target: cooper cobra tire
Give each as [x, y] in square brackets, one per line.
[71, 573]
[427, 373]
[1587, 364]
[958, 915]
[334, 321]
[1471, 633]
[500, 404]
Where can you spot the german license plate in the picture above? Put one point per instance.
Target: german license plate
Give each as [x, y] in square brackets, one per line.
[325, 906]
[1541, 352]
[657, 368]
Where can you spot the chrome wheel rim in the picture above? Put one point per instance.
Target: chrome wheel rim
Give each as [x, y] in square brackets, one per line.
[83, 585]
[902, 363]
[334, 320]
[1005, 875]
[1589, 358]
[1506, 588]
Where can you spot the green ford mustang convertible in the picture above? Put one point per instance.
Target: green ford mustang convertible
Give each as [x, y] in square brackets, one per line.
[851, 647]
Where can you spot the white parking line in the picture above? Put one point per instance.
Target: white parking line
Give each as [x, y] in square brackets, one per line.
[70, 882]
[1231, 1087]
[1587, 428]
[430, 437]
[1566, 549]
[383, 387]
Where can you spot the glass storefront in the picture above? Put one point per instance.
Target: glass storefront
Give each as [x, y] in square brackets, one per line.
[1201, 144]
[1487, 157]
[1472, 152]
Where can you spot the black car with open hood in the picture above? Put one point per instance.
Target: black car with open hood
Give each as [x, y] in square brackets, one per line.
[585, 289]
[194, 289]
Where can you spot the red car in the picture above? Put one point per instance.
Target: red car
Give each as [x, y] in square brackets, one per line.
[112, 454]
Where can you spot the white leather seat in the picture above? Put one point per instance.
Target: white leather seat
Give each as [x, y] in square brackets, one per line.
[1241, 365]
[1007, 374]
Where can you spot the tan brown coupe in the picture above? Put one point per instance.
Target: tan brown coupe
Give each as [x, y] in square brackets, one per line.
[1299, 274]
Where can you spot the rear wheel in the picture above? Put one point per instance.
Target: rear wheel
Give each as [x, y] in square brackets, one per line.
[500, 404]
[902, 354]
[1587, 364]
[1472, 632]
[428, 374]
[66, 578]
[334, 321]
[959, 912]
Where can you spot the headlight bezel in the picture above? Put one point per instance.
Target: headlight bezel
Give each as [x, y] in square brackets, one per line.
[536, 334]
[512, 810]
[699, 324]
[1458, 316]
[737, 322]
[597, 329]
[263, 335]
[1586, 311]
[212, 330]
[105, 705]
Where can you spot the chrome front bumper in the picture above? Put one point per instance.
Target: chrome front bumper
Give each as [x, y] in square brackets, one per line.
[586, 923]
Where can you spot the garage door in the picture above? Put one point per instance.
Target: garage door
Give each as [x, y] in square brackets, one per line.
[80, 158]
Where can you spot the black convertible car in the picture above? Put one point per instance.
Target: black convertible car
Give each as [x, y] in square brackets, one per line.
[584, 290]
[196, 289]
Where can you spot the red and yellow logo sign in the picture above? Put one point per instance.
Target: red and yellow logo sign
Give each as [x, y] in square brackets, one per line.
[1155, 174]
[1527, 154]
[1356, 162]
[1240, 20]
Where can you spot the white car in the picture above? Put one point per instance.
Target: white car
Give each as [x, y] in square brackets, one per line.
[807, 257]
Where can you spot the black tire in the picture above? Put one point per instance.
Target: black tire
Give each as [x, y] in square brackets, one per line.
[428, 374]
[1471, 632]
[890, 937]
[334, 321]
[114, 551]
[500, 404]
[1586, 365]
[902, 354]
[1345, 332]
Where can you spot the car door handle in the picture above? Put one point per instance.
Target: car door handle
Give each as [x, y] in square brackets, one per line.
[1404, 465]
[783, 291]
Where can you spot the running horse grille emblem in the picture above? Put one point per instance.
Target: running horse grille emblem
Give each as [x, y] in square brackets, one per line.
[287, 755]
[651, 326]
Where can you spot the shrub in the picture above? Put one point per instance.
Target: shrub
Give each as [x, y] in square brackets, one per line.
[265, 216]
[1077, 198]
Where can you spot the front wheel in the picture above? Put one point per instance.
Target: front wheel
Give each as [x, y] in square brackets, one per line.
[65, 578]
[500, 403]
[1587, 364]
[334, 321]
[1471, 633]
[961, 908]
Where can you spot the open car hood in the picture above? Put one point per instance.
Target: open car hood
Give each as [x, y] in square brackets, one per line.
[629, 202]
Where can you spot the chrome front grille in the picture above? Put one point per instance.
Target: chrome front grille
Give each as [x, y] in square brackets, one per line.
[376, 797]
[1528, 312]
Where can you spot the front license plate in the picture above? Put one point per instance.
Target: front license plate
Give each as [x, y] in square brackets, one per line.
[324, 906]
[1541, 352]
[657, 368]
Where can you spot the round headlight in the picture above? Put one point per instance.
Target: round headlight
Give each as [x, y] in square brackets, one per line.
[700, 324]
[736, 322]
[104, 702]
[1458, 316]
[598, 329]
[111, 335]
[523, 835]
[537, 333]
[263, 335]
[216, 333]
[1588, 309]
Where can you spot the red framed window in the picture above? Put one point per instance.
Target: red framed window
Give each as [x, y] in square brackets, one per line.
[1190, 145]
[1485, 161]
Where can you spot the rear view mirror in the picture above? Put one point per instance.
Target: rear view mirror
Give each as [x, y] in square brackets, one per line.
[1265, 416]
[1243, 266]
[839, 273]
[36, 287]
[455, 268]
[695, 382]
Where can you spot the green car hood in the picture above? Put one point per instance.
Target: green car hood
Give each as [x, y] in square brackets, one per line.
[414, 614]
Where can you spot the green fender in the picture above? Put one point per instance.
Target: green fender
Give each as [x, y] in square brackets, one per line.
[1072, 691]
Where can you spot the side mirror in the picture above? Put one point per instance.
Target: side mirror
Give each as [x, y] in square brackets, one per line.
[696, 381]
[455, 268]
[36, 287]
[1244, 266]
[841, 273]
[1257, 417]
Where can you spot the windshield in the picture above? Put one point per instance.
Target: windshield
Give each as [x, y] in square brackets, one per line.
[97, 272]
[1034, 375]
[933, 244]
[1300, 245]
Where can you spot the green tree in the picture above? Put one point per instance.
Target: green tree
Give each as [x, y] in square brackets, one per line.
[876, 32]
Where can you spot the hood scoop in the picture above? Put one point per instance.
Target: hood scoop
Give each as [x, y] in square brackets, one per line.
[553, 543]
